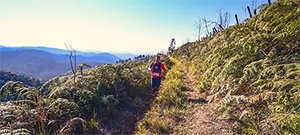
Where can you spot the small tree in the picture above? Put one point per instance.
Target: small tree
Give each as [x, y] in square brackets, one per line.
[207, 25]
[82, 66]
[72, 60]
[172, 45]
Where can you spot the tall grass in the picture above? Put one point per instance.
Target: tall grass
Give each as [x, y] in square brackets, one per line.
[165, 107]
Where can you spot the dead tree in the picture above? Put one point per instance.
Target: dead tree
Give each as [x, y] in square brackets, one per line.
[269, 1]
[221, 27]
[72, 60]
[216, 26]
[198, 27]
[223, 20]
[254, 6]
[236, 19]
[215, 30]
[208, 24]
[249, 11]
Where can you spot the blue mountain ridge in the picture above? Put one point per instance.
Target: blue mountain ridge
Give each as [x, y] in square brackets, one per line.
[63, 52]
[44, 63]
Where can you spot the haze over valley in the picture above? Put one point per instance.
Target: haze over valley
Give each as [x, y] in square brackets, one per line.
[44, 63]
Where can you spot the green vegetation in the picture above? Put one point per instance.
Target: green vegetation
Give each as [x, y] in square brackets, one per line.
[97, 98]
[165, 107]
[7, 76]
[251, 71]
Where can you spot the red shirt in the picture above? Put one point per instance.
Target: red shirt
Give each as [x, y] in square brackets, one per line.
[158, 75]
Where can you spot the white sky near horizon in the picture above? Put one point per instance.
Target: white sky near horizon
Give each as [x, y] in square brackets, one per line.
[131, 26]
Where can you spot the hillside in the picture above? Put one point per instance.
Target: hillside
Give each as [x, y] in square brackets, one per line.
[241, 80]
[107, 99]
[44, 65]
[7, 76]
[247, 74]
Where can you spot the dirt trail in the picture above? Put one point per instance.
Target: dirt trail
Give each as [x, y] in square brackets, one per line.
[199, 117]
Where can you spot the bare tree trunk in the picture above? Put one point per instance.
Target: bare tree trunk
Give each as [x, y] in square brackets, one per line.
[269, 1]
[72, 54]
[249, 11]
[236, 19]
[221, 27]
[215, 30]
[75, 62]
[71, 63]
[224, 20]
[199, 30]
[206, 26]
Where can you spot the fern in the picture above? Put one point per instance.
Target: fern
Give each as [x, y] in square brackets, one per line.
[73, 126]
[21, 93]
[11, 90]
[238, 99]
[25, 103]
[5, 131]
[269, 127]
[21, 131]
[30, 94]
[62, 107]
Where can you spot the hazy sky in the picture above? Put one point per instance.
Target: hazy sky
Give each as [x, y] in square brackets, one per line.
[108, 25]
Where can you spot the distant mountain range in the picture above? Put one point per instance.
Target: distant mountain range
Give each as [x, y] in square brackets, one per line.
[61, 51]
[44, 63]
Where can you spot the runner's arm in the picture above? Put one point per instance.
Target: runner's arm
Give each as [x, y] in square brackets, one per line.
[150, 67]
[163, 67]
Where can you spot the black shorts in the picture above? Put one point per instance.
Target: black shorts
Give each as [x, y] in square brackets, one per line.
[155, 83]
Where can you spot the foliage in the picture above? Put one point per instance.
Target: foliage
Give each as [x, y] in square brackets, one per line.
[164, 110]
[97, 95]
[252, 69]
[7, 76]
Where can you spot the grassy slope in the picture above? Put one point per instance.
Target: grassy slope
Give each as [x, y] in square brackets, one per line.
[108, 98]
[166, 106]
[252, 70]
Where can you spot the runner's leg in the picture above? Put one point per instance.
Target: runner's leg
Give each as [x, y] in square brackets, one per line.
[158, 82]
[153, 83]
